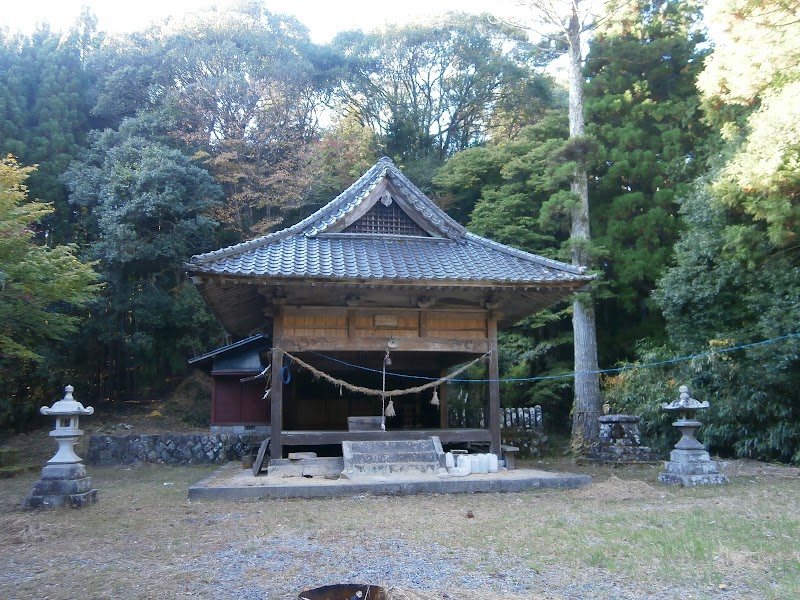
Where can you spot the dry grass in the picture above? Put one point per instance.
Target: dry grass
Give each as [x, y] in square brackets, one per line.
[144, 539]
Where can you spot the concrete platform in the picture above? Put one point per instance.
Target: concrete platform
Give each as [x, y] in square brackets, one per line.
[232, 482]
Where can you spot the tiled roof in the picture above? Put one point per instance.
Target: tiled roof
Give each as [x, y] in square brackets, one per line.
[402, 258]
[314, 247]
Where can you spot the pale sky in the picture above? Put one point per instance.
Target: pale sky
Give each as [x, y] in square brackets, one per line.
[324, 18]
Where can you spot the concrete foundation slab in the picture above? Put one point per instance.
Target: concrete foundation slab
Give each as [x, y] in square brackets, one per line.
[231, 482]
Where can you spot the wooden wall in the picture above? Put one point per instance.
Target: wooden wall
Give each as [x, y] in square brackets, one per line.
[383, 323]
[237, 403]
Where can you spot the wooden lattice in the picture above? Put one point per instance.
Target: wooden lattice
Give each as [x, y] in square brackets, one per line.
[383, 219]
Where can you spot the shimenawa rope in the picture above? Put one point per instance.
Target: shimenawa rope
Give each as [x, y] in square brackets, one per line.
[371, 392]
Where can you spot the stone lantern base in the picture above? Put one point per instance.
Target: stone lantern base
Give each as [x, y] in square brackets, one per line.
[62, 485]
[691, 467]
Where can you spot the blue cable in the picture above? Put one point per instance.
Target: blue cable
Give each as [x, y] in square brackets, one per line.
[569, 375]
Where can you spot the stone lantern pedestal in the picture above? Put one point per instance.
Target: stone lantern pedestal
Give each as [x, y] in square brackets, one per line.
[64, 481]
[689, 462]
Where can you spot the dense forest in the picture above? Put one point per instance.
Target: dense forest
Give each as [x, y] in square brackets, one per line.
[125, 155]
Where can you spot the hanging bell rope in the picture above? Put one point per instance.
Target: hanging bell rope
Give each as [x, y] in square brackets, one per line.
[387, 394]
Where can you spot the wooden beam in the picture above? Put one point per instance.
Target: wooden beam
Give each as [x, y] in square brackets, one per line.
[322, 438]
[276, 397]
[377, 344]
[493, 421]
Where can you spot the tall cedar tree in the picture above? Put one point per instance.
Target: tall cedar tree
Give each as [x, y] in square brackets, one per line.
[737, 274]
[643, 109]
[44, 111]
[566, 21]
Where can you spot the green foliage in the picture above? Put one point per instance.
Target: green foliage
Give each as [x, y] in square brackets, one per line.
[741, 296]
[736, 277]
[151, 204]
[643, 109]
[751, 89]
[511, 192]
[748, 418]
[429, 91]
[44, 108]
[41, 291]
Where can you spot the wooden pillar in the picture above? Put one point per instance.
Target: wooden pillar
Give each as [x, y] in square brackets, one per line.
[276, 397]
[494, 388]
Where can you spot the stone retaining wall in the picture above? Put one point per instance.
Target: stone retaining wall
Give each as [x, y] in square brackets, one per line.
[170, 449]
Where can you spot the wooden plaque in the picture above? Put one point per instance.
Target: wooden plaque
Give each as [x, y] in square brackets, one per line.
[385, 320]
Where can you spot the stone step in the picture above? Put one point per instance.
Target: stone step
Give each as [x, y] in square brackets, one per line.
[390, 457]
[394, 468]
[385, 457]
[422, 445]
[306, 467]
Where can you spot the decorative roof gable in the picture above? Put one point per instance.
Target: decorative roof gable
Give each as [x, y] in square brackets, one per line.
[384, 185]
[383, 228]
[384, 237]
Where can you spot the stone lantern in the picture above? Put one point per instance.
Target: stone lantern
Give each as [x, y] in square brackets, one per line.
[64, 481]
[689, 462]
[67, 412]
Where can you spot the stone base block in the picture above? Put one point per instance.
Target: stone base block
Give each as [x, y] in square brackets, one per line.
[692, 480]
[62, 486]
[66, 471]
[69, 501]
[622, 454]
[689, 457]
[707, 468]
[691, 467]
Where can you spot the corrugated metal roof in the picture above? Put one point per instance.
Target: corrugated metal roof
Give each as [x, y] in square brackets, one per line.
[450, 254]
[260, 337]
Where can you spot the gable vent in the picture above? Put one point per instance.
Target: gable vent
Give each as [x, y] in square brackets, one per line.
[382, 219]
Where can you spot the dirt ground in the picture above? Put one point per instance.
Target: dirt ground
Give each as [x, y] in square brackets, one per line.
[625, 537]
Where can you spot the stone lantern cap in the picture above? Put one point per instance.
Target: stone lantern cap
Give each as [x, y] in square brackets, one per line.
[685, 402]
[67, 406]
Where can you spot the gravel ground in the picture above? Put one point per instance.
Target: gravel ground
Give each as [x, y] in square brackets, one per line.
[290, 565]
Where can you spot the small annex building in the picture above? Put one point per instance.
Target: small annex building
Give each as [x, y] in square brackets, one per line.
[237, 392]
[378, 273]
